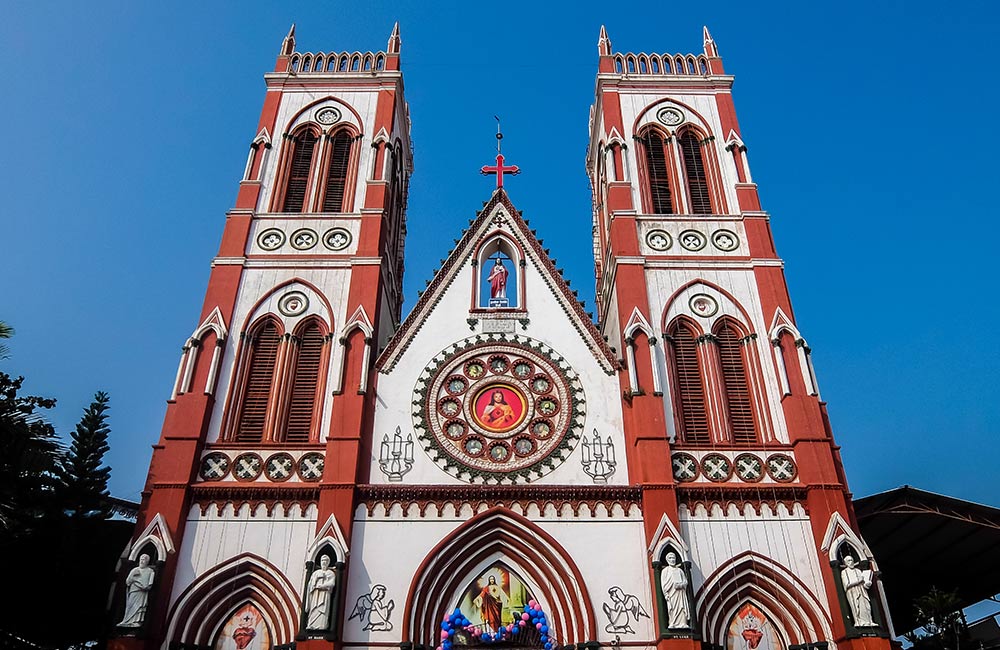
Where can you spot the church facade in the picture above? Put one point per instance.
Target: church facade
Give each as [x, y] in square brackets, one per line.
[333, 473]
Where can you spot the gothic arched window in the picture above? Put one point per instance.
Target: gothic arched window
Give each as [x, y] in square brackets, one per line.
[335, 188]
[657, 155]
[736, 386]
[302, 402]
[299, 168]
[694, 173]
[688, 388]
[263, 352]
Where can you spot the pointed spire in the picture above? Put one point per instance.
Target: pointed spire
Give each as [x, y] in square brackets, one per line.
[604, 43]
[394, 42]
[288, 45]
[710, 48]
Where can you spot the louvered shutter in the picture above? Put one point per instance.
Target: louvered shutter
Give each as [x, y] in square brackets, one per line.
[734, 375]
[656, 170]
[690, 391]
[336, 179]
[303, 401]
[298, 173]
[694, 170]
[253, 411]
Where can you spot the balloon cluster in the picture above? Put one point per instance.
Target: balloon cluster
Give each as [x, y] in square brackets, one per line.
[531, 617]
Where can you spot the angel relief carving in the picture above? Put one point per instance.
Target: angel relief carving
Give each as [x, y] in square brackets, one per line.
[622, 611]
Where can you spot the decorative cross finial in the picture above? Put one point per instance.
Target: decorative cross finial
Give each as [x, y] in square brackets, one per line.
[500, 169]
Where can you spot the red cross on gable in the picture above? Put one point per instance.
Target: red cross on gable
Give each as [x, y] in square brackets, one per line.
[500, 169]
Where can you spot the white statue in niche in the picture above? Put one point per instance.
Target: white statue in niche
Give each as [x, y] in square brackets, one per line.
[673, 584]
[321, 584]
[137, 586]
[856, 585]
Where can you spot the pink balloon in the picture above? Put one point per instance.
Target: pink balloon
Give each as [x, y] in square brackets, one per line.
[525, 617]
[538, 625]
[444, 635]
[522, 623]
[532, 604]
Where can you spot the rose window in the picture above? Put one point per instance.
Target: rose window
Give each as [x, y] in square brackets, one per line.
[499, 411]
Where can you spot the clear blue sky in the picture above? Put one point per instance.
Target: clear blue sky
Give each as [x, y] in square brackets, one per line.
[869, 126]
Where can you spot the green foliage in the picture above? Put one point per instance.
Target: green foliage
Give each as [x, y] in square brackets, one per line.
[6, 331]
[82, 491]
[939, 613]
[29, 456]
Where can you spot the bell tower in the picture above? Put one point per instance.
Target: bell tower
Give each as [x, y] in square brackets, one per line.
[692, 295]
[270, 412]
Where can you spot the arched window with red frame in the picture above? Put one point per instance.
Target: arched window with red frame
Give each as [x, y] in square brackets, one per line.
[689, 391]
[736, 386]
[694, 173]
[262, 349]
[302, 422]
[335, 187]
[657, 155]
[299, 170]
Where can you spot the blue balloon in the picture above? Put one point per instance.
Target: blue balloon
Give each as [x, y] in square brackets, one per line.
[545, 628]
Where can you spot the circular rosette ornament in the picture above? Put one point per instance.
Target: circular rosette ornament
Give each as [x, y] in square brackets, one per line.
[500, 410]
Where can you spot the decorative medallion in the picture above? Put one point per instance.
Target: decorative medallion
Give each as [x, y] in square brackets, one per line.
[279, 467]
[685, 467]
[703, 305]
[337, 239]
[247, 467]
[304, 239]
[749, 468]
[497, 409]
[293, 303]
[311, 467]
[658, 240]
[725, 240]
[692, 240]
[271, 239]
[328, 115]
[716, 468]
[670, 116]
[214, 467]
[781, 468]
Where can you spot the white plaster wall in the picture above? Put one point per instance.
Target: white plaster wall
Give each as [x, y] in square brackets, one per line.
[607, 552]
[333, 283]
[213, 538]
[549, 324]
[714, 537]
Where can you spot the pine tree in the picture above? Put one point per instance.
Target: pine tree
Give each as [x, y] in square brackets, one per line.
[29, 453]
[83, 482]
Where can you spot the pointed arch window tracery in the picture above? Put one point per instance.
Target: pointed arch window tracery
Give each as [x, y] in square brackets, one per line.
[318, 172]
[712, 393]
[677, 175]
[279, 387]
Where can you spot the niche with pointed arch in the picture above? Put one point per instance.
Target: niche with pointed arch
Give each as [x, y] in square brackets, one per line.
[499, 275]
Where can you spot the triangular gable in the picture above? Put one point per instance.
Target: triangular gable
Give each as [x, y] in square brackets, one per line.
[667, 533]
[838, 531]
[330, 533]
[156, 532]
[459, 255]
[781, 323]
[214, 322]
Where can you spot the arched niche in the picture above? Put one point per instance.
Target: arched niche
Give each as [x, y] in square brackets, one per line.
[322, 594]
[752, 628]
[246, 628]
[500, 274]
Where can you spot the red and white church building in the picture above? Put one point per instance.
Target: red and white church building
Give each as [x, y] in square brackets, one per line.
[494, 468]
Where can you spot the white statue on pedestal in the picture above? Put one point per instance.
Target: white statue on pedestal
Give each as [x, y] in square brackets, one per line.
[856, 586]
[137, 587]
[673, 584]
[321, 584]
